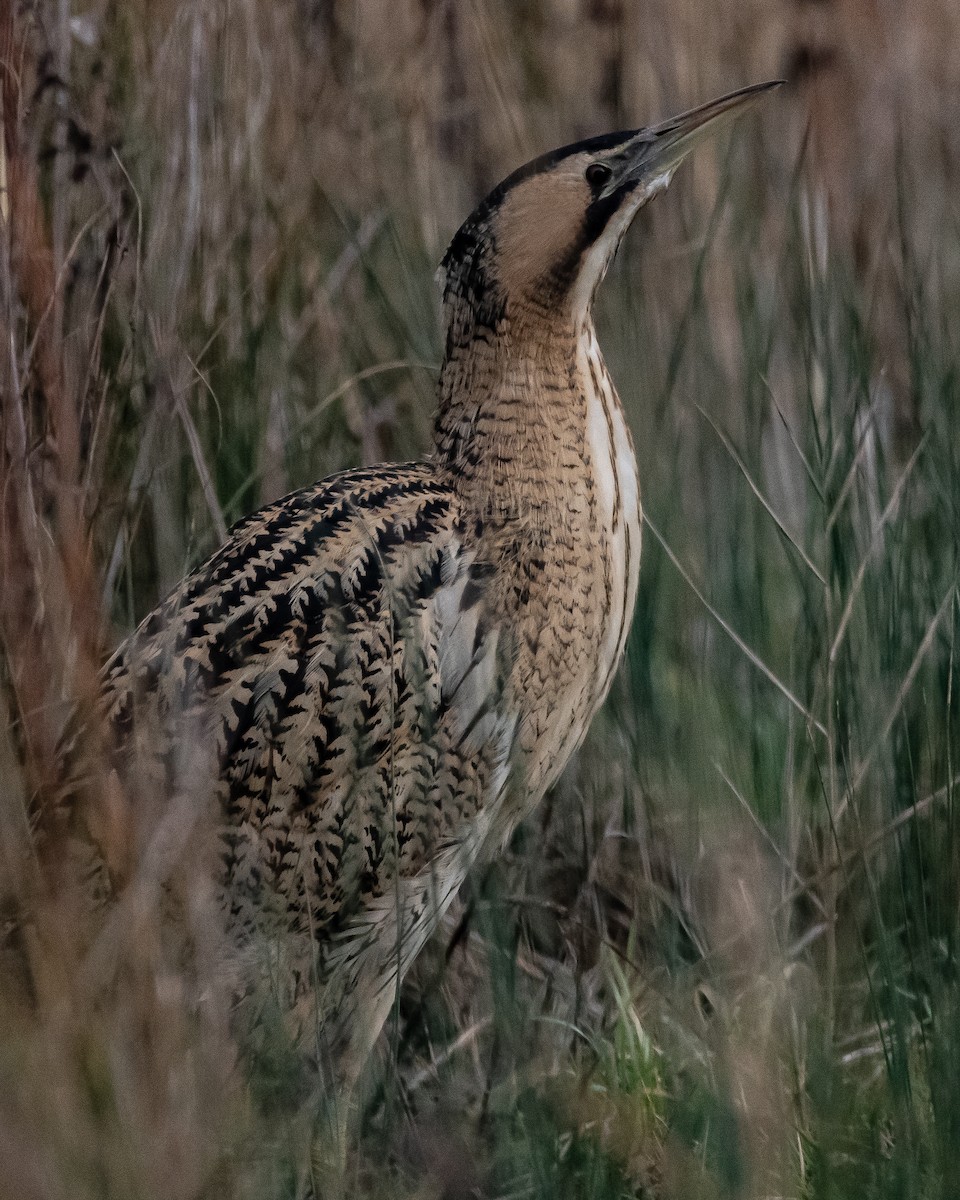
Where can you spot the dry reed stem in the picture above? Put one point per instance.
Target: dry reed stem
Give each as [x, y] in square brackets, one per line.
[48, 605]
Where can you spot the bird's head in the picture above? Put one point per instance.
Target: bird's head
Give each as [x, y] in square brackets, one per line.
[544, 237]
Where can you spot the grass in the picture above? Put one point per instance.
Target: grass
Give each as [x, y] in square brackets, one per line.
[722, 958]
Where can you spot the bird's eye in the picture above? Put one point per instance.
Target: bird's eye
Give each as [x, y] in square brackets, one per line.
[598, 173]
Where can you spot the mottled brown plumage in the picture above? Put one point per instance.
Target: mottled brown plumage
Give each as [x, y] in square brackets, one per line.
[389, 668]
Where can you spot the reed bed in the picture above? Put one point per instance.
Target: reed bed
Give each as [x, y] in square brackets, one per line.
[722, 958]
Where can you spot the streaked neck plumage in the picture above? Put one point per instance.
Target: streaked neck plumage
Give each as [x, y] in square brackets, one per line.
[521, 367]
[537, 448]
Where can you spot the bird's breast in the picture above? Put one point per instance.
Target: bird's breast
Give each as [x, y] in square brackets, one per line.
[613, 467]
[576, 611]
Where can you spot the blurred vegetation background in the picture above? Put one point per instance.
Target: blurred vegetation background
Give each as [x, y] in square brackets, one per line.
[722, 959]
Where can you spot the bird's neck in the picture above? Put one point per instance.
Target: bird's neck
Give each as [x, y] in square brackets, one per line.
[513, 415]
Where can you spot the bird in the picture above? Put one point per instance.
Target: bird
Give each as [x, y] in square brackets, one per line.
[385, 671]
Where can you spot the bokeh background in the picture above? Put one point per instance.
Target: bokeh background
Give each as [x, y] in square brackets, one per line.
[721, 960]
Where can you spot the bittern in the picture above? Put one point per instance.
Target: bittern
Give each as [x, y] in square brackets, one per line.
[392, 666]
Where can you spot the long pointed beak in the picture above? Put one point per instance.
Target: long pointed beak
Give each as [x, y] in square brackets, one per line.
[659, 150]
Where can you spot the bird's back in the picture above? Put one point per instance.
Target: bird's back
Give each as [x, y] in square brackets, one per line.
[336, 662]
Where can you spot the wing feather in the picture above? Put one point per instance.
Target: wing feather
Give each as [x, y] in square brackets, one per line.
[341, 654]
